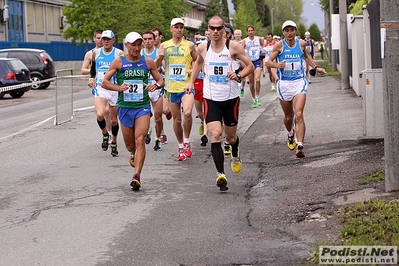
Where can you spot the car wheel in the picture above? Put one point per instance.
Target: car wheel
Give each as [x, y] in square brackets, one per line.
[36, 78]
[16, 94]
[45, 85]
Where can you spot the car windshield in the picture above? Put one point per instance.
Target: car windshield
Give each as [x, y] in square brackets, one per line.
[16, 65]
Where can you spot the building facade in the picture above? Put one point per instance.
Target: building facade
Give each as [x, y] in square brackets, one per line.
[43, 21]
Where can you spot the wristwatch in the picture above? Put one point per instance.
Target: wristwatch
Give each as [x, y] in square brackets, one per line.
[158, 86]
[238, 78]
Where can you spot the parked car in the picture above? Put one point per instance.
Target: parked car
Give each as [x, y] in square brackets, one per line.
[14, 72]
[39, 63]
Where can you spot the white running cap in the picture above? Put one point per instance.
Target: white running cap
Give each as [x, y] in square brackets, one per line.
[108, 34]
[176, 21]
[289, 23]
[131, 37]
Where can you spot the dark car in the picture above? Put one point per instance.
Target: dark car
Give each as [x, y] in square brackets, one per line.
[14, 72]
[39, 63]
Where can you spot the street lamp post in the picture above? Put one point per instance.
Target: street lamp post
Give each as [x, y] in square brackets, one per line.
[272, 11]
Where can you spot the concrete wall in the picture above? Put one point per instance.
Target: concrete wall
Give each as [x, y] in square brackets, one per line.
[75, 65]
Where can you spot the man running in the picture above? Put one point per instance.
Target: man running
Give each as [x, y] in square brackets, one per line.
[290, 55]
[253, 46]
[134, 102]
[267, 49]
[156, 96]
[179, 55]
[102, 58]
[161, 69]
[310, 45]
[219, 58]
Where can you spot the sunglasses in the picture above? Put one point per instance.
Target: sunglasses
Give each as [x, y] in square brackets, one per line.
[218, 28]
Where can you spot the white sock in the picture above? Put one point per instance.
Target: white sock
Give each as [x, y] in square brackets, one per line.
[186, 140]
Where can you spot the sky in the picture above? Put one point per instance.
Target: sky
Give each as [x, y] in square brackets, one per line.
[311, 12]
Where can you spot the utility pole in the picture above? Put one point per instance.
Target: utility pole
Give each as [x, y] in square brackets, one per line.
[344, 59]
[331, 52]
[389, 14]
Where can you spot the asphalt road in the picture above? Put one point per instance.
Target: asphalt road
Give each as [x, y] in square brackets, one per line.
[63, 201]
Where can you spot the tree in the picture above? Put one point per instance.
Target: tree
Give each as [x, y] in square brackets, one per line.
[225, 11]
[301, 29]
[213, 8]
[314, 32]
[285, 10]
[357, 8]
[123, 17]
[244, 16]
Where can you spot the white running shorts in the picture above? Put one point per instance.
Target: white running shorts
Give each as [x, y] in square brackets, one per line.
[110, 96]
[287, 89]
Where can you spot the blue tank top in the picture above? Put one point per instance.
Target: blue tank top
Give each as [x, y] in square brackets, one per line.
[294, 64]
[103, 61]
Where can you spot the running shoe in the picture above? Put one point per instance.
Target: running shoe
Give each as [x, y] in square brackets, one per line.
[131, 159]
[273, 87]
[254, 104]
[169, 116]
[310, 81]
[164, 139]
[201, 129]
[157, 145]
[187, 149]
[299, 152]
[148, 136]
[258, 103]
[180, 155]
[114, 150]
[227, 149]
[221, 182]
[291, 143]
[236, 163]
[204, 140]
[241, 92]
[135, 184]
[105, 143]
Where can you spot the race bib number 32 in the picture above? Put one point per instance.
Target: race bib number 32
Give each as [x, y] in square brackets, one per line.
[135, 91]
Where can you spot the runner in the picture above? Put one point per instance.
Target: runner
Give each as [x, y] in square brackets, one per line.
[253, 46]
[133, 97]
[289, 57]
[218, 58]
[179, 55]
[267, 49]
[102, 58]
[156, 96]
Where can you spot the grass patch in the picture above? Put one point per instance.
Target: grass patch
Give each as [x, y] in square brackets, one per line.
[369, 223]
[327, 66]
[373, 176]
[372, 222]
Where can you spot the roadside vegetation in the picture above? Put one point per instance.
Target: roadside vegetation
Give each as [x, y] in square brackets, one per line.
[371, 222]
[327, 66]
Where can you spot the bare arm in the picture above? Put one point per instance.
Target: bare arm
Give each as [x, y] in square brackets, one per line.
[271, 62]
[309, 59]
[198, 65]
[155, 74]
[85, 70]
[160, 55]
[245, 61]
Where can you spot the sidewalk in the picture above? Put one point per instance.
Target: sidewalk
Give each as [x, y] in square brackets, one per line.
[300, 198]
